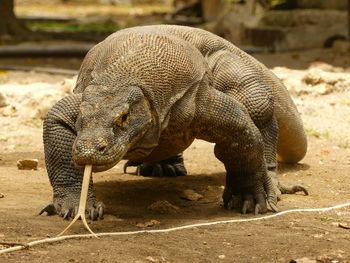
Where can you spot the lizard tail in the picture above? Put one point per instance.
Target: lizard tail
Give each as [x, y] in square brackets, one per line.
[292, 141]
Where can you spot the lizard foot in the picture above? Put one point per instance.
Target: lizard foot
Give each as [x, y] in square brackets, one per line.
[67, 207]
[171, 167]
[249, 203]
[252, 201]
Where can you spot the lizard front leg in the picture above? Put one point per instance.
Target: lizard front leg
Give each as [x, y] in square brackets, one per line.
[66, 180]
[239, 145]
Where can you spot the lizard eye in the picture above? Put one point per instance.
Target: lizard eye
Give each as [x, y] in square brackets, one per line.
[124, 117]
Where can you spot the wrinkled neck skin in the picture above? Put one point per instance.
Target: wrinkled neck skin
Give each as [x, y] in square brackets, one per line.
[114, 123]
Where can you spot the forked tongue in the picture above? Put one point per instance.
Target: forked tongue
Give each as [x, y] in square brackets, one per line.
[82, 201]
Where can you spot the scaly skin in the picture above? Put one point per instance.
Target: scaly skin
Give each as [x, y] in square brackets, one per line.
[145, 93]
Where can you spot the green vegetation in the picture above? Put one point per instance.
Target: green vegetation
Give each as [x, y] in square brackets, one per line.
[104, 26]
[326, 218]
[312, 132]
[276, 2]
[344, 145]
[269, 2]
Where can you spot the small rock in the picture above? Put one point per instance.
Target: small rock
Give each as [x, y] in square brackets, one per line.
[324, 88]
[1, 195]
[10, 111]
[324, 151]
[222, 256]
[321, 65]
[151, 223]
[210, 188]
[151, 259]
[190, 195]
[2, 101]
[327, 258]
[164, 207]
[303, 260]
[27, 164]
[312, 77]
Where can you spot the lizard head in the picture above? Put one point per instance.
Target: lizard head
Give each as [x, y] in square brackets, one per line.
[110, 122]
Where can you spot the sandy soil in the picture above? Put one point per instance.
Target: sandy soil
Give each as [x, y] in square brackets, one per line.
[304, 237]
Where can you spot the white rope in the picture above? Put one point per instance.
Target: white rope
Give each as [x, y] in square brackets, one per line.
[152, 231]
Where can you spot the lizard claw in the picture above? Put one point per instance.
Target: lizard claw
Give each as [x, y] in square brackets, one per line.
[97, 211]
[93, 214]
[100, 208]
[260, 206]
[273, 207]
[130, 163]
[247, 207]
[67, 214]
[272, 201]
[68, 208]
[49, 209]
[248, 204]
[156, 171]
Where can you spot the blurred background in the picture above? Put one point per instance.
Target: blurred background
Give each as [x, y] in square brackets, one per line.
[304, 42]
[46, 28]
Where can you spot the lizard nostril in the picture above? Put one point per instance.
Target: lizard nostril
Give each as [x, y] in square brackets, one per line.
[102, 148]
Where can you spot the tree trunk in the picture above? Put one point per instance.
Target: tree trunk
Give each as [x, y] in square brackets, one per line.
[211, 9]
[9, 24]
[349, 20]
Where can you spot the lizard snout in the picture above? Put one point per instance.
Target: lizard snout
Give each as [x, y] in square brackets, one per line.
[102, 147]
[91, 149]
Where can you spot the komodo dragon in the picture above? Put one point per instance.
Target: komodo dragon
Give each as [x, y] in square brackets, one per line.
[145, 93]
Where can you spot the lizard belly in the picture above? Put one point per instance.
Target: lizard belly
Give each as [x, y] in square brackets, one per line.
[170, 143]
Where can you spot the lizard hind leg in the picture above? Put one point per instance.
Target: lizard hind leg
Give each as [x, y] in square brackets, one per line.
[173, 166]
[270, 134]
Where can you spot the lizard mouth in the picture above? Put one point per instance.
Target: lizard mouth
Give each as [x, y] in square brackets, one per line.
[99, 163]
[98, 167]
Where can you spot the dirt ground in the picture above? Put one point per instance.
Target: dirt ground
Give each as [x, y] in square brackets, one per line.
[303, 237]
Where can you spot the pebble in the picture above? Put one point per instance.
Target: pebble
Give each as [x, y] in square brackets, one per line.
[150, 223]
[151, 259]
[190, 195]
[3, 102]
[2, 195]
[27, 164]
[164, 207]
[303, 260]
